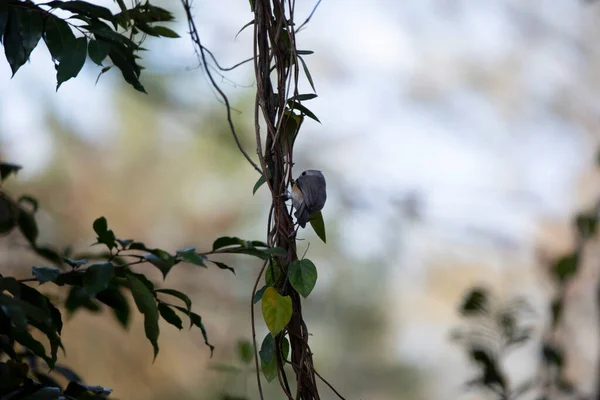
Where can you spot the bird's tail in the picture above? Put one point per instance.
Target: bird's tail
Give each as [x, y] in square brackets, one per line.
[302, 216]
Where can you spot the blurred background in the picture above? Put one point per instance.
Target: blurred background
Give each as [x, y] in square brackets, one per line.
[458, 139]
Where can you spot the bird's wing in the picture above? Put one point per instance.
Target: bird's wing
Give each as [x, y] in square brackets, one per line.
[309, 185]
[302, 215]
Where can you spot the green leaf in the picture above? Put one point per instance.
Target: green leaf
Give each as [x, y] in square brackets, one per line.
[4, 13]
[11, 285]
[285, 348]
[276, 309]
[251, 252]
[169, 315]
[156, 14]
[98, 50]
[97, 277]
[259, 294]
[552, 355]
[32, 26]
[59, 37]
[248, 248]
[77, 298]
[113, 298]
[587, 224]
[143, 279]
[75, 263]
[175, 293]
[190, 256]
[306, 71]
[261, 181]
[297, 106]
[45, 274]
[72, 61]
[72, 278]
[125, 243]
[222, 265]
[6, 169]
[244, 27]
[196, 320]
[143, 14]
[25, 339]
[105, 235]
[267, 348]
[34, 297]
[272, 273]
[226, 241]
[56, 317]
[9, 215]
[245, 351]
[556, 310]
[138, 246]
[28, 226]
[304, 52]
[164, 31]
[14, 312]
[85, 8]
[566, 267]
[15, 51]
[123, 59]
[124, 12]
[317, 223]
[475, 302]
[161, 260]
[268, 361]
[37, 316]
[146, 28]
[305, 97]
[32, 202]
[303, 276]
[269, 369]
[104, 32]
[100, 226]
[146, 304]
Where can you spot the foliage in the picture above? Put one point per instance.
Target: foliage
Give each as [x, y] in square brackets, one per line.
[100, 280]
[76, 30]
[280, 107]
[86, 31]
[487, 343]
[493, 330]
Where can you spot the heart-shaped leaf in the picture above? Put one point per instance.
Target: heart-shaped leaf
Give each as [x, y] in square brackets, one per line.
[277, 310]
[303, 276]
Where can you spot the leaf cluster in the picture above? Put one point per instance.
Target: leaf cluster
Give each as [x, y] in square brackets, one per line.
[93, 281]
[495, 328]
[87, 31]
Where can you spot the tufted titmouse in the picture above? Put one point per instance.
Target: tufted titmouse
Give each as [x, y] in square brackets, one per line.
[308, 195]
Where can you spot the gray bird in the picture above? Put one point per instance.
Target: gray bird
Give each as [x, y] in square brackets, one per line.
[309, 194]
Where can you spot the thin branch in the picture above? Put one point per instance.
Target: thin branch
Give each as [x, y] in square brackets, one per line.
[210, 53]
[196, 40]
[79, 271]
[329, 384]
[260, 391]
[309, 16]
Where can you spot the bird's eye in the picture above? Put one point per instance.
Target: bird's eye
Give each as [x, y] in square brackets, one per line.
[304, 173]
